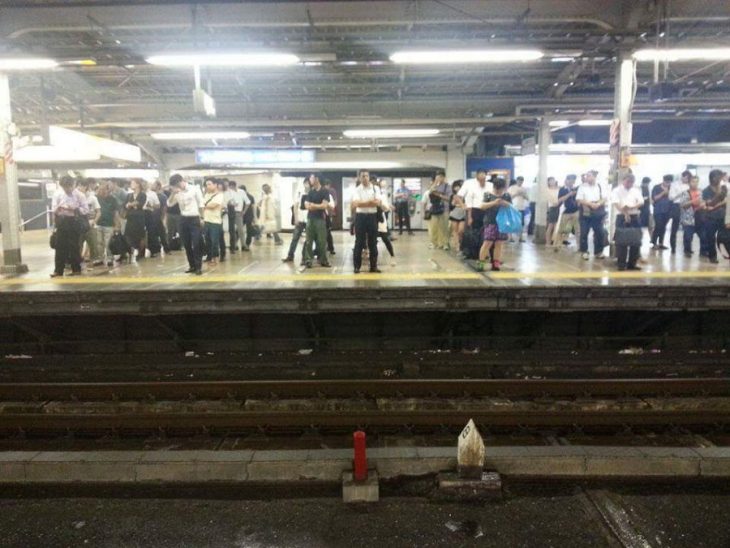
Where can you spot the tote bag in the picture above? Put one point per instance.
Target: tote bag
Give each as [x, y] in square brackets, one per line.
[509, 220]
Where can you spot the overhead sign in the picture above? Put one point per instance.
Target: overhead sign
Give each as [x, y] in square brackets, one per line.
[91, 145]
[252, 156]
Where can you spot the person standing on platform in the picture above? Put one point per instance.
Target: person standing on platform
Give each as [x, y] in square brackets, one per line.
[676, 189]
[107, 220]
[402, 199]
[249, 218]
[299, 219]
[627, 200]
[268, 216]
[67, 205]
[383, 231]
[222, 186]
[691, 202]
[715, 197]
[330, 215]
[493, 239]
[155, 212]
[172, 219]
[570, 221]
[470, 197]
[135, 230]
[553, 211]
[213, 204]
[88, 188]
[520, 200]
[457, 214]
[365, 203]
[240, 204]
[592, 201]
[190, 200]
[662, 211]
[316, 202]
[439, 194]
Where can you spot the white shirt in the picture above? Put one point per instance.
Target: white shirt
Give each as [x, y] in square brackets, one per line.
[473, 193]
[622, 197]
[211, 215]
[190, 201]
[153, 201]
[92, 202]
[519, 197]
[676, 189]
[590, 193]
[239, 199]
[366, 194]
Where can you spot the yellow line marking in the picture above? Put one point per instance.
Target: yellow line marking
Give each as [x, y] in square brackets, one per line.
[185, 279]
[592, 275]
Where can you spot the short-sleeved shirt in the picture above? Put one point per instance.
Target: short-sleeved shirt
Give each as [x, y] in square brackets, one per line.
[402, 195]
[571, 204]
[436, 202]
[472, 192]
[366, 194]
[663, 204]
[317, 197]
[108, 206]
[213, 215]
[490, 215]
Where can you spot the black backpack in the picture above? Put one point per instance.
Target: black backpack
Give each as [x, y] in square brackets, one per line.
[175, 244]
[723, 239]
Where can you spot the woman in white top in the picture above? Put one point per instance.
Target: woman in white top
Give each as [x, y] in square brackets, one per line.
[268, 216]
[213, 203]
[553, 212]
[521, 202]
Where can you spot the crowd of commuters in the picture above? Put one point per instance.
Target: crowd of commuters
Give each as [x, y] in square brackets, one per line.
[116, 221]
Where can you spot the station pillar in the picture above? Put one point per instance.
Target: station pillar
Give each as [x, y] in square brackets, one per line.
[620, 134]
[9, 198]
[541, 196]
[455, 163]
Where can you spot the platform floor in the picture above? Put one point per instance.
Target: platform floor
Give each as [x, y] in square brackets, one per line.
[526, 265]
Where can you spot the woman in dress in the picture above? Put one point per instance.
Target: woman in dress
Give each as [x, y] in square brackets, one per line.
[457, 215]
[135, 231]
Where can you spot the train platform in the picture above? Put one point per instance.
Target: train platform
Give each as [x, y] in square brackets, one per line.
[533, 277]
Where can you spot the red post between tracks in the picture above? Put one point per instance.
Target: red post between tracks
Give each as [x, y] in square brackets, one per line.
[360, 468]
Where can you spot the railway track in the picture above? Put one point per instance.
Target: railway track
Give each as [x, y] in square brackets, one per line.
[338, 404]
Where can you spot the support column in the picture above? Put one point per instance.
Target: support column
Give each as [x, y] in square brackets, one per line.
[541, 196]
[9, 198]
[621, 128]
[455, 163]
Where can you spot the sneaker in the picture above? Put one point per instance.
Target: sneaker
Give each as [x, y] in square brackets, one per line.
[198, 272]
[621, 268]
[308, 264]
[287, 260]
[601, 256]
[110, 264]
[375, 270]
[480, 266]
[496, 266]
[566, 242]
[633, 267]
[246, 248]
[332, 252]
[326, 265]
[191, 270]
[585, 256]
[662, 247]
[56, 275]
[357, 271]
[392, 262]
[714, 261]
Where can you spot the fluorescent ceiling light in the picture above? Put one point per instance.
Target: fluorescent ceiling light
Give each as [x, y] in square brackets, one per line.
[594, 123]
[224, 59]
[388, 133]
[682, 54]
[559, 123]
[200, 135]
[455, 57]
[27, 63]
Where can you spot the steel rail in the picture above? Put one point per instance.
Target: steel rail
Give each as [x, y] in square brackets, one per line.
[236, 421]
[210, 390]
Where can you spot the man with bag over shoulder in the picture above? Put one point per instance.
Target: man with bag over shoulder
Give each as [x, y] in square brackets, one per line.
[593, 211]
[628, 201]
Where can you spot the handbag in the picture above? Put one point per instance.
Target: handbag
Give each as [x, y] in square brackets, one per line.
[723, 239]
[509, 220]
[628, 236]
[118, 244]
[53, 241]
[82, 221]
[427, 214]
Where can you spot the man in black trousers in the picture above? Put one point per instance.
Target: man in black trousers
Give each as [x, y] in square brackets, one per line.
[190, 200]
[365, 203]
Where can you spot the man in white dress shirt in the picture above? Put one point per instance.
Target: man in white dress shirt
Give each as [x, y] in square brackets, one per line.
[190, 200]
[365, 202]
[592, 199]
[627, 200]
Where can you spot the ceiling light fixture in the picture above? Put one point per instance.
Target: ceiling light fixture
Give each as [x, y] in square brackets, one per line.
[200, 135]
[559, 123]
[388, 133]
[456, 57]
[682, 54]
[224, 60]
[594, 123]
[27, 63]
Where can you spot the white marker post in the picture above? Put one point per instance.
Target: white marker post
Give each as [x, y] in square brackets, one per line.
[471, 452]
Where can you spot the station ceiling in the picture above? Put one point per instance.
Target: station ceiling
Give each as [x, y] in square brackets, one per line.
[347, 79]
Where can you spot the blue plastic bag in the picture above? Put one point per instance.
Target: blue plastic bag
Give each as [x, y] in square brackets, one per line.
[509, 220]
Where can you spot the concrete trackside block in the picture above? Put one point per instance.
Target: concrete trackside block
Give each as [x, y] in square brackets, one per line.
[714, 461]
[360, 491]
[558, 461]
[452, 487]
